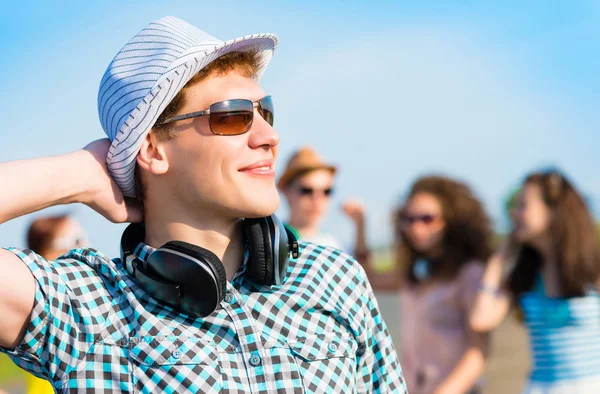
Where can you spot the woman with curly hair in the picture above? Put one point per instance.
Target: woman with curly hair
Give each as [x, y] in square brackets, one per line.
[443, 239]
[553, 283]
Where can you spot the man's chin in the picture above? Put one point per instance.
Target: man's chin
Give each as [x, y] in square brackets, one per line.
[260, 209]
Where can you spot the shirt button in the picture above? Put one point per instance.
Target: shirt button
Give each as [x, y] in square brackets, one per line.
[332, 347]
[255, 360]
[229, 298]
[177, 354]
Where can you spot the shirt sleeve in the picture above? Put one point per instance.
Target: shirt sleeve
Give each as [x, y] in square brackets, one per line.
[59, 332]
[379, 370]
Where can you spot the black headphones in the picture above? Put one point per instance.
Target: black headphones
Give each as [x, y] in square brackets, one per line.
[192, 279]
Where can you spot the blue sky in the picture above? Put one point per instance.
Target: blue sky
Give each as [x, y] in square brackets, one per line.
[386, 90]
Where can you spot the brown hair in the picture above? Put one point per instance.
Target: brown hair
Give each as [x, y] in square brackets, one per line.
[246, 63]
[467, 235]
[42, 233]
[573, 235]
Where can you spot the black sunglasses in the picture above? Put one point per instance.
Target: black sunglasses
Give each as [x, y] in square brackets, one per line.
[309, 191]
[232, 117]
[425, 219]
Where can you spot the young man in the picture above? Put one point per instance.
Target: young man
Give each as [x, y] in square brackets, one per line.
[307, 183]
[192, 139]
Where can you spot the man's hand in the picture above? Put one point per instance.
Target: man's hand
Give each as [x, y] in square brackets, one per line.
[355, 210]
[104, 196]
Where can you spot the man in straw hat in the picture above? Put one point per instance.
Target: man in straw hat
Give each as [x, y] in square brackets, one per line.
[307, 183]
[223, 308]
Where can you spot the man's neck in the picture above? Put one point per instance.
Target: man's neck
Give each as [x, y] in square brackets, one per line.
[222, 237]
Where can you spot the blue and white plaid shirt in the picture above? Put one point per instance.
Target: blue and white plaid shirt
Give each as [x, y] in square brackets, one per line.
[94, 330]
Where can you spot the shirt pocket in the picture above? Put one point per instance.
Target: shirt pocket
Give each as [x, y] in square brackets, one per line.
[174, 365]
[327, 363]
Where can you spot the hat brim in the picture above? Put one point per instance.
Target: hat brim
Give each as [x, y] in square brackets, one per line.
[121, 157]
[289, 176]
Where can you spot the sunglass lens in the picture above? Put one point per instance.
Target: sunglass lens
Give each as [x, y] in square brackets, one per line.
[231, 117]
[306, 191]
[266, 109]
[427, 219]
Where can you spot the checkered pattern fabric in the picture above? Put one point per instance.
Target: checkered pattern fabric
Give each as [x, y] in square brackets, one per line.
[94, 330]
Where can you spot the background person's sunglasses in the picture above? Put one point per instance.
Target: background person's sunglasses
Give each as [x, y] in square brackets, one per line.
[232, 117]
[309, 191]
[425, 219]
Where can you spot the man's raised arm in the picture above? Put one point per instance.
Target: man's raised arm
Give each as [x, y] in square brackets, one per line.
[30, 185]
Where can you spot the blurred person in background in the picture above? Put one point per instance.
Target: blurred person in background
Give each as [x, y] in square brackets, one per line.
[552, 265]
[307, 184]
[53, 236]
[443, 239]
[50, 237]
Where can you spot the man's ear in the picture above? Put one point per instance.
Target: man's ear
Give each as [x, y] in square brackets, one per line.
[152, 156]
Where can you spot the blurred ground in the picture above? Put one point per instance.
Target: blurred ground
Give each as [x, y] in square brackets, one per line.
[11, 379]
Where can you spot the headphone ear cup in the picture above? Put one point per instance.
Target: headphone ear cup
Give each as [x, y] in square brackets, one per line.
[204, 255]
[259, 237]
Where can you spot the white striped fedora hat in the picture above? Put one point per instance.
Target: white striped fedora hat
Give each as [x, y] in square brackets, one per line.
[147, 73]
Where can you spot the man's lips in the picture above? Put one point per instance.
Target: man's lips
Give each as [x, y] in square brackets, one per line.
[263, 167]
